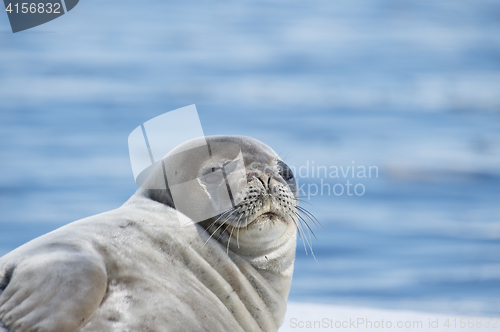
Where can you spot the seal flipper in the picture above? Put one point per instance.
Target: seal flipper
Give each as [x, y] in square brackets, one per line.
[5, 278]
[4, 281]
[52, 291]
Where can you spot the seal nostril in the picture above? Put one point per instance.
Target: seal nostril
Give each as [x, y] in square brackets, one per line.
[263, 184]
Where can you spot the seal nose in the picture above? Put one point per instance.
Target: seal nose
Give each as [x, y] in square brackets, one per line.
[265, 178]
[266, 175]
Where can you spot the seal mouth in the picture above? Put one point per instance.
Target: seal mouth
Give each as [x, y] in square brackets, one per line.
[269, 215]
[263, 217]
[264, 226]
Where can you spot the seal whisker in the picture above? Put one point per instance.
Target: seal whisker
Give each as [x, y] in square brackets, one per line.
[309, 215]
[301, 232]
[303, 235]
[238, 233]
[222, 224]
[220, 216]
[229, 241]
[309, 243]
[308, 227]
[231, 212]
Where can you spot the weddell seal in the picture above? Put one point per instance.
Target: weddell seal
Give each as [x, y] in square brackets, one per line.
[146, 267]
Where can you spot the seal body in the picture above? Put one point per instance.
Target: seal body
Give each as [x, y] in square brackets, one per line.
[137, 269]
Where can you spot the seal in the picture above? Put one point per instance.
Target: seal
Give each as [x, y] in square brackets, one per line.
[149, 266]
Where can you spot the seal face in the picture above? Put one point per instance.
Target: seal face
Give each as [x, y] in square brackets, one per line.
[267, 206]
[208, 243]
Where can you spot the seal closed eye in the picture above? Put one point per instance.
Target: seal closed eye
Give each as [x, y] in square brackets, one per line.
[136, 268]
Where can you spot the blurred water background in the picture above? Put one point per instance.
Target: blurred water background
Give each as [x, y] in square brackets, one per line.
[411, 87]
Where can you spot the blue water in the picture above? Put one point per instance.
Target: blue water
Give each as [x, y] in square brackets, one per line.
[411, 87]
